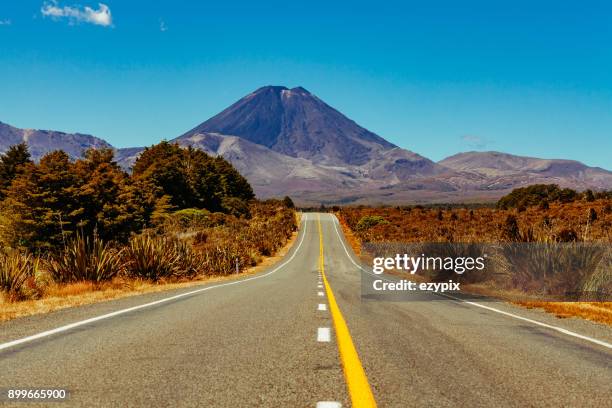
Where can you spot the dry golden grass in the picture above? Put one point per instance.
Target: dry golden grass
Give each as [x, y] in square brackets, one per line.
[481, 224]
[61, 296]
[486, 225]
[596, 311]
[350, 236]
[600, 312]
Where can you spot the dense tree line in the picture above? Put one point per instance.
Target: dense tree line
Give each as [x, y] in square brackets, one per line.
[543, 194]
[46, 203]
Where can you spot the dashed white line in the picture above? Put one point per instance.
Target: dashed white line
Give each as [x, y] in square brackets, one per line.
[323, 335]
[320, 293]
[322, 307]
[328, 404]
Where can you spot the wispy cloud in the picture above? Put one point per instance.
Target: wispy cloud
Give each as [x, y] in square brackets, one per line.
[5, 22]
[476, 142]
[162, 26]
[78, 14]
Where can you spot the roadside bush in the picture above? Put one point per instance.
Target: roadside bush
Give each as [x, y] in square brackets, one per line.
[85, 259]
[541, 251]
[236, 207]
[555, 269]
[288, 202]
[189, 218]
[150, 258]
[369, 221]
[156, 258]
[15, 270]
[536, 194]
[245, 240]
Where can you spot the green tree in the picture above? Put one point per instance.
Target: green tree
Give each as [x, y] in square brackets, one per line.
[589, 196]
[204, 180]
[535, 195]
[288, 202]
[192, 178]
[12, 163]
[103, 194]
[164, 165]
[43, 203]
[233, 184]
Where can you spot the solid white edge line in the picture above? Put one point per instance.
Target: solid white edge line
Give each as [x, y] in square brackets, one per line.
[323, 335]
[549, 326]
[492, 309]
[67, 327]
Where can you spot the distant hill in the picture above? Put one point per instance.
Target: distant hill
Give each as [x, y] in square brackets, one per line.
[509, 170]
[289, 142]
[43, 141]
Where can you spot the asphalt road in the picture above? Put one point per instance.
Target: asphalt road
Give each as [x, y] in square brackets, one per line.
[263, 342]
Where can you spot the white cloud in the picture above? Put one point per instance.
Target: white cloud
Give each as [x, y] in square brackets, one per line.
[102, 16]
[5, 22]
[162, 26]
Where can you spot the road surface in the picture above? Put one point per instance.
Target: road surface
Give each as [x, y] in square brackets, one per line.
[277, 340]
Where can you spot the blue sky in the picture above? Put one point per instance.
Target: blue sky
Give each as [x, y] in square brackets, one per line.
[436, 77]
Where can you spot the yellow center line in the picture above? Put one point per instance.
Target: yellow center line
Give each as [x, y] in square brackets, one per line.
[354, 374]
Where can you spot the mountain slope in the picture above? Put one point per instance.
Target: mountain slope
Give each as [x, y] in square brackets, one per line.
[43, 141]
[269, 172]
[298, 124]
[289, 142]
[508, 171]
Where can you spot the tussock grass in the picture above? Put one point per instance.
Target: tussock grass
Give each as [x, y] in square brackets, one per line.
[155, 258]
[581, 257]
[85, 259]
[204, 247]
[15, 271]
[65, 295]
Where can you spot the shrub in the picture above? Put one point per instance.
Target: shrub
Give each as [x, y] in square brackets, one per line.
[369, 221]
[235, 206]
[15, 270]
[151, 258]
[243, 241]
[552, 268]
[511, 230]
[200, 238]
[86, 259]
[567, 235]
[156, 258]
[535, 195]
[592, 215]
[288, 202]
[189, 218]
